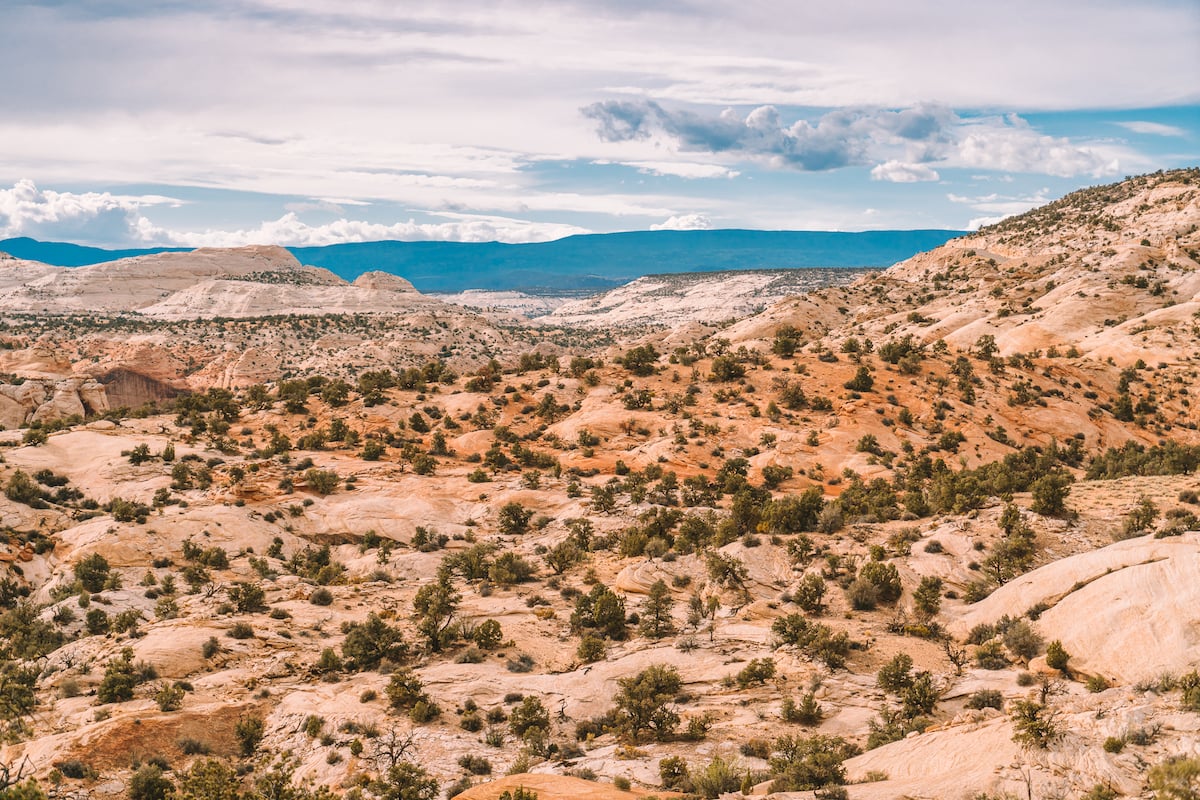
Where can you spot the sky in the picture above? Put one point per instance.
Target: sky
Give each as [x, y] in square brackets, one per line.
[305, 122]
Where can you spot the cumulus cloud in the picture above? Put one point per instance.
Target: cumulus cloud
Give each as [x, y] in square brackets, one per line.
[1153, 128]
[900, 172]
[289, 230]
[837, 139]
[909, 142]
[105, 219]
[91, 217]
[1011, 145]
[684, 222]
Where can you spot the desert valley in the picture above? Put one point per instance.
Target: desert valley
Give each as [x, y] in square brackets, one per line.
[931, 531]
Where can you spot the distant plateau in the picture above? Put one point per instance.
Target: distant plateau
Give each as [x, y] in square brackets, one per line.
[573, 265]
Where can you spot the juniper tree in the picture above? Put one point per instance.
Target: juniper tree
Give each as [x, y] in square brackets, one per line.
[656, 619]
[436, 604]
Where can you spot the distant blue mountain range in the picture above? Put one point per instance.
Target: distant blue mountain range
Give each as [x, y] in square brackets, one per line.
[571, 265]
[64, 254]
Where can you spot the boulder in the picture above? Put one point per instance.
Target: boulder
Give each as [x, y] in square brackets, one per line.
[64, 403]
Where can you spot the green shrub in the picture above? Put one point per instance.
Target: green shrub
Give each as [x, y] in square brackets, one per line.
[368, 644]
[169, 697]
[1190, 685]
[249, 731]
[643, 702]
[591, 648]
[321, 481]
[240, 630]
[95, 621]
[120, 679]
[476, 765]
[148, 783]
[193, 747]
[1057, 656]
[718, 777]
[1034, 725]
[990, 655]
[807, 763]
[986, 698]
[519, 793]
[807, 712]
[92, 572]
[885, 577]
[210, 647]
[757, 672]
[529, 714]
[247, 598]
[1022, 640]
[862, 380]
[488, 635]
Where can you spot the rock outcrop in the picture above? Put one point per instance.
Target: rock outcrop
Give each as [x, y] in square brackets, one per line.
[46, 400]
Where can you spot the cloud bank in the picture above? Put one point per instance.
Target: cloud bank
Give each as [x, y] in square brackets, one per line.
[105, 220]
[904, 144]
[289, 230]
[89, 217]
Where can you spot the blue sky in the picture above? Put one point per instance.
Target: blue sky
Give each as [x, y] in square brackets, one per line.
[126, 122]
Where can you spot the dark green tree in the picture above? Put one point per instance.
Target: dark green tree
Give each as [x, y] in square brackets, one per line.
[436, 605]
[149, 783]
[656, 619]
[92, 572]
[601, 611]
[643, 704]
[369, 643]
[806, 763]
[862, 380]
[927, 597]
[513, 519]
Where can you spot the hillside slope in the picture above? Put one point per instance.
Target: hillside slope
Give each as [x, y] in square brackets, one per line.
[1109, 272]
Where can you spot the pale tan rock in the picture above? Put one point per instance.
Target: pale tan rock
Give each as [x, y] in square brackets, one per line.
[1128, 611]
[93, 397]
[13, 414]
[63, 403]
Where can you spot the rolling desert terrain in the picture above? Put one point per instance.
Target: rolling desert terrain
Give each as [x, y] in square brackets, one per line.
[924, 532]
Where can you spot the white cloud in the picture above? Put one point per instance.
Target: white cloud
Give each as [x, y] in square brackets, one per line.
[89, 217]
[1002, 204]
[509, 77]
[117, 220]
[684, 222]
[908, 143]
[899, 172]
[289, 230]
[452, 106]
[979, 222]
[1011, 145]
[683, 169]
[342, 201]
[996, 206]
[1153, 128]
